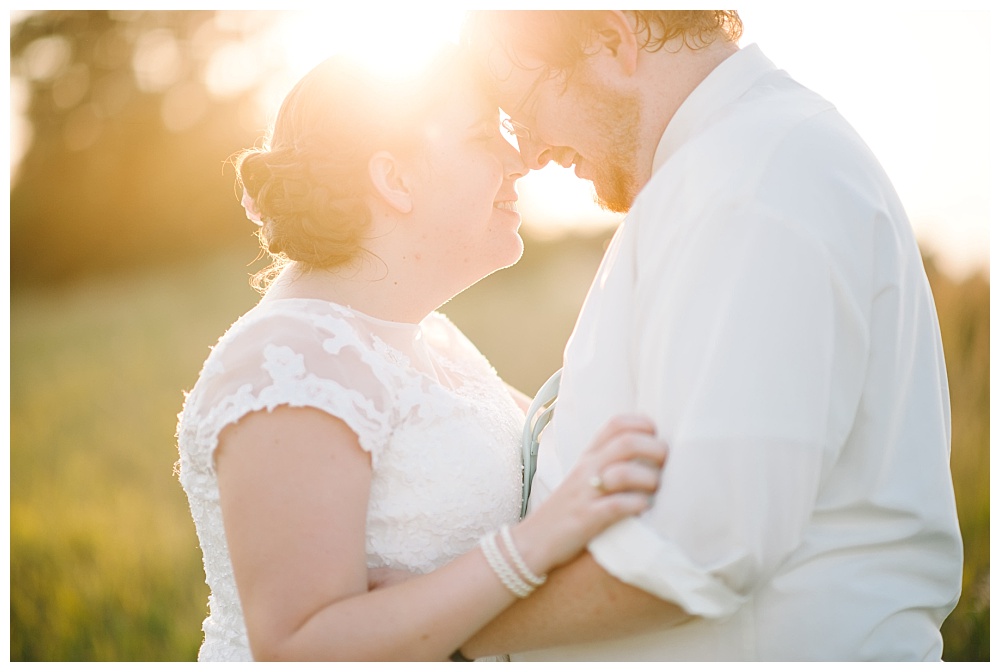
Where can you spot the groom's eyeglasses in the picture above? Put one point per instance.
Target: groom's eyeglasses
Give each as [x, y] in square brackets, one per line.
[519, 130]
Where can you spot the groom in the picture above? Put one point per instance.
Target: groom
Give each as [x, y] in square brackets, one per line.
[766, 304]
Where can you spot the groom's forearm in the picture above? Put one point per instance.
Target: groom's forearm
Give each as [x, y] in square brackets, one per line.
[580, 602]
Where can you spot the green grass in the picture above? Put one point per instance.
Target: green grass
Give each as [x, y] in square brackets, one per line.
[964, 313]
[104, 562]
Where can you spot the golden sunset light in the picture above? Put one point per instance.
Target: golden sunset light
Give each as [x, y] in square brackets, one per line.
[924, 110]
[390, 47]
[164, 256]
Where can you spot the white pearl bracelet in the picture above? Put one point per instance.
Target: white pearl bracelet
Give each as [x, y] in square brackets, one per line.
[502, 568]
[515, 556]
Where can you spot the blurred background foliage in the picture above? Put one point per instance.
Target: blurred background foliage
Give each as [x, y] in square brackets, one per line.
[132, 116]
[129, 257]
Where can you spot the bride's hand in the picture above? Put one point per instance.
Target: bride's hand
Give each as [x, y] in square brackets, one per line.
[614, 478]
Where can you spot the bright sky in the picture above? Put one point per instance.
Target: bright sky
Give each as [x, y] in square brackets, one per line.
[917, 86]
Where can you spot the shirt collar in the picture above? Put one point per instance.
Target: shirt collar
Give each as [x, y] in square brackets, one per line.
[730, 80]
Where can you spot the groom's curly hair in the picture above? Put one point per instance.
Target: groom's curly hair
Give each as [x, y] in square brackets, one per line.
[560, 37]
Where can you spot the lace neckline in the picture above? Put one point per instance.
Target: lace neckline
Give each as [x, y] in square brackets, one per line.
[354, 311]
[380, 326]
[403, 342]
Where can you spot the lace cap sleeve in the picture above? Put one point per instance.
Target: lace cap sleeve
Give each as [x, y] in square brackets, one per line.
[282, 354]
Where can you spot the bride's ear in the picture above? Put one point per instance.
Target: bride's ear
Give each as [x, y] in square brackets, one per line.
[391, 181]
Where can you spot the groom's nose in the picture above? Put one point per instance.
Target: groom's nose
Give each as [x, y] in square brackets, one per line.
[537, 154]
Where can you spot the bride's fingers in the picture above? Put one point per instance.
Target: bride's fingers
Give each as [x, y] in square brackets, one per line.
[622, 424]
[613, 479]
[632, 446]
[632, 475]
[614, 507]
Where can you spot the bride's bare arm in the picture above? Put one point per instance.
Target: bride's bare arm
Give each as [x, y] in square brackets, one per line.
[294, 487]
[580, 602]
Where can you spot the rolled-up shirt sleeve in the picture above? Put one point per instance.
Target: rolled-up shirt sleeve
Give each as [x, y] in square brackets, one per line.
[749, 356]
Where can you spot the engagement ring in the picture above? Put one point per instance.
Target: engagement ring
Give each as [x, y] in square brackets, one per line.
[597, 483]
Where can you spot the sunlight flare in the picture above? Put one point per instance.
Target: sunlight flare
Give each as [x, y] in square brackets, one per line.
[390, 48]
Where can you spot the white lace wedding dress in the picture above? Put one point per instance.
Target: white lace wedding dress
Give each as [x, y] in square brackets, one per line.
[441, 427]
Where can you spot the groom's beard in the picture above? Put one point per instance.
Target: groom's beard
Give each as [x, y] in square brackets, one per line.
[616, 119]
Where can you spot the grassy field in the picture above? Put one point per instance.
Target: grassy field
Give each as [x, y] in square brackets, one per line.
[104, 563]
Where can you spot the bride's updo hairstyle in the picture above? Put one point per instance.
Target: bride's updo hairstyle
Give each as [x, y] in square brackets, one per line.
[309, 181]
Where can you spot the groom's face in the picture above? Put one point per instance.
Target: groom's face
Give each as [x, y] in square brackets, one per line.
[574, 120]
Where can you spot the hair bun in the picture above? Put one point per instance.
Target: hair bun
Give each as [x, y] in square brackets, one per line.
[310, 179]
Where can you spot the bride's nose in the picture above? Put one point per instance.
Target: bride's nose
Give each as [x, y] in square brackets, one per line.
[514, 167]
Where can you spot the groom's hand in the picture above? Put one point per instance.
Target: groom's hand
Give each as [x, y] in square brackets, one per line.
[383, 577]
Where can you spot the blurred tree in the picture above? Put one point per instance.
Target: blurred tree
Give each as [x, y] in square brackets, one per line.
[131, 117]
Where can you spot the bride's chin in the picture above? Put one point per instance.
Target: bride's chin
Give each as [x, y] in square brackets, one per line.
[506, 255]
[513, 252]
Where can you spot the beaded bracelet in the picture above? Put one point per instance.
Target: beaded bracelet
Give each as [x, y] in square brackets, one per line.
[502, 568]
[515, 556]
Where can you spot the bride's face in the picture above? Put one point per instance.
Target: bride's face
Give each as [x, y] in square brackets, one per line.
[464, 197]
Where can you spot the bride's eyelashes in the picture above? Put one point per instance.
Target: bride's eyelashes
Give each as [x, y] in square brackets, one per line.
[487, 131]
[486, 127]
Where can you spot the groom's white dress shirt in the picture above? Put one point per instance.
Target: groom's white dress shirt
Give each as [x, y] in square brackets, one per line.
[765, 303]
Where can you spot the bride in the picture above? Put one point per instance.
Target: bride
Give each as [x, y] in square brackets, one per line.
[342, 425]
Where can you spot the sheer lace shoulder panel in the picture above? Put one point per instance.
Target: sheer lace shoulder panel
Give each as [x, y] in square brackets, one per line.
[459, 354]
[286, 353]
